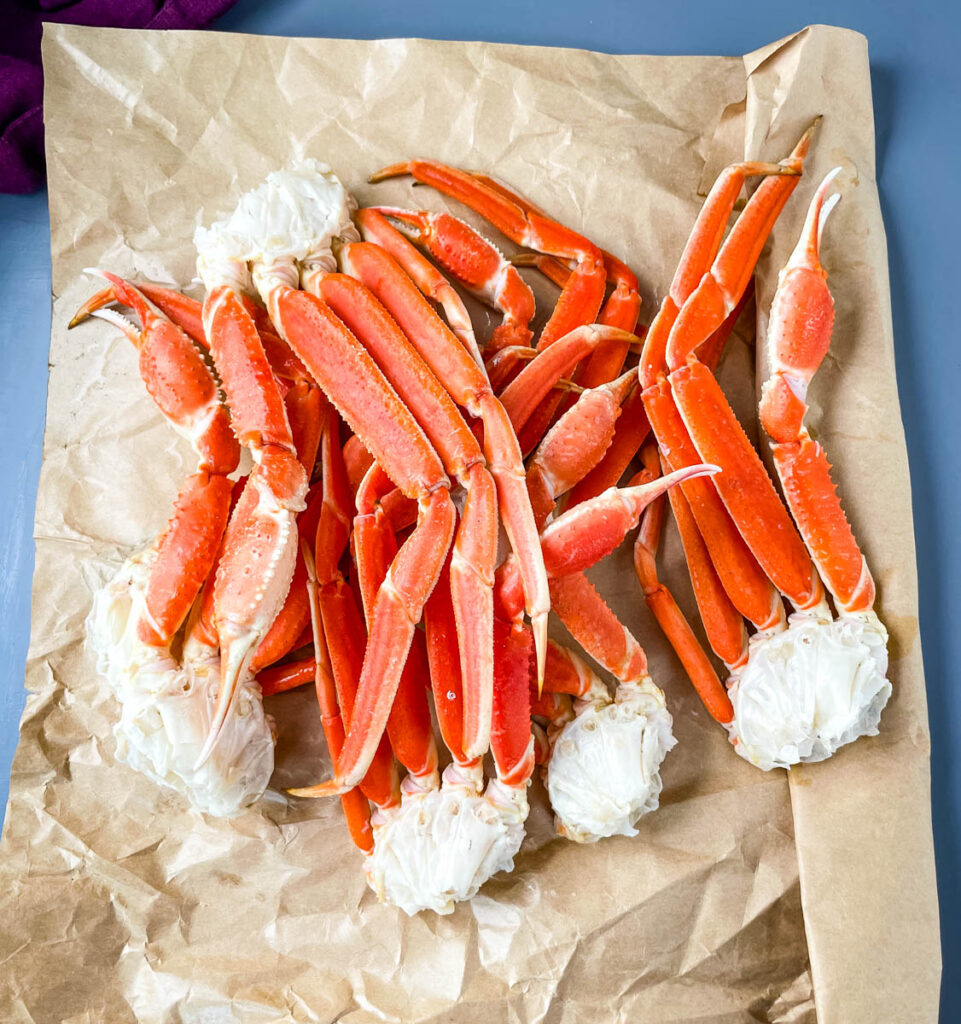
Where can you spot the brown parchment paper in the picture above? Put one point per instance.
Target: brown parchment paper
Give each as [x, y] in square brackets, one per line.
[747, 896]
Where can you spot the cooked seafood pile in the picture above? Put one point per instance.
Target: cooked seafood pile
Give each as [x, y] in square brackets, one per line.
[358, 454]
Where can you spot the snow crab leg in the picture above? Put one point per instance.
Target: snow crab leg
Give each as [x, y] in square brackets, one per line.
[469, 257]
[186, 393]
[468, 386]
[589, 803]
[524, 224]
[358, 388]
[374, 227]
[260, 545]
[475, 541]
[575, 444]
[320, 672]
[835, 687]
[775, 686]
[742, 578]
[581, 298]
[408, 726]
[137, 614]
[344, 632]
[802, 318]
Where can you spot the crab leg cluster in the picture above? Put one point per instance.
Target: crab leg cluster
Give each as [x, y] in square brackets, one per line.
[168, 706]
[798, 689]
[355, 363]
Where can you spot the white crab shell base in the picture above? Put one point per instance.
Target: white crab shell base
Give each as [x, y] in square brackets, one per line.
[439, 847]
[167, 708]
[604, 771]
[292, 217]
[810, 689]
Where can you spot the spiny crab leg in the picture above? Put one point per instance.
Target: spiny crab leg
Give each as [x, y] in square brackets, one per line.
[374, 227]
[375, 546]
[802, 318]
[343, 625]
[575, 444]
[469, 388]
[475, 543]
[260, 548]
[354, 802]
[821, 683]
[661, 602]
[581, 298]
[185, 392]
[477, 265]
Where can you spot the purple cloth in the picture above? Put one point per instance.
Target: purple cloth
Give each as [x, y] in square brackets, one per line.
[21, 79]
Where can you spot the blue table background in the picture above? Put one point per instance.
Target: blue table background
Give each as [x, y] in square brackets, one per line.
[917, 93]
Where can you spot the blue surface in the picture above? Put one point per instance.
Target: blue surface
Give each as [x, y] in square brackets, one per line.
[917, 93]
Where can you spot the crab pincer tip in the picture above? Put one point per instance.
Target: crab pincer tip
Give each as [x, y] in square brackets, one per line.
[102, 274]
[208, 748]
[329, 788]
[78, 317]
[539, 629]
[800, 150]
[393, 171]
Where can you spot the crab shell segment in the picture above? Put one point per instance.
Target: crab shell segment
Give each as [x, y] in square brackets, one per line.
[294, 215]
[810, 689]
[167, 708]
[441, 846]
[604, 772]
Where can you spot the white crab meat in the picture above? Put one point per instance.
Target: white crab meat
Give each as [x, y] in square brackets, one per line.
[810, 689]
[293, 216]
[604, 770]
[167, 708]
[440, 847]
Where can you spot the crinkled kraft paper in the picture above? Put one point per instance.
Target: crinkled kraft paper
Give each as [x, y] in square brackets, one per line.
[747, 896]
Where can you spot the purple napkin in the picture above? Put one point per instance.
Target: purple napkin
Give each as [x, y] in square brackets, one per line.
[21, 80]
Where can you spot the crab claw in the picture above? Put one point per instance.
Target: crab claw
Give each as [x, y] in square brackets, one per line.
[253, 577]
[96, 302]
